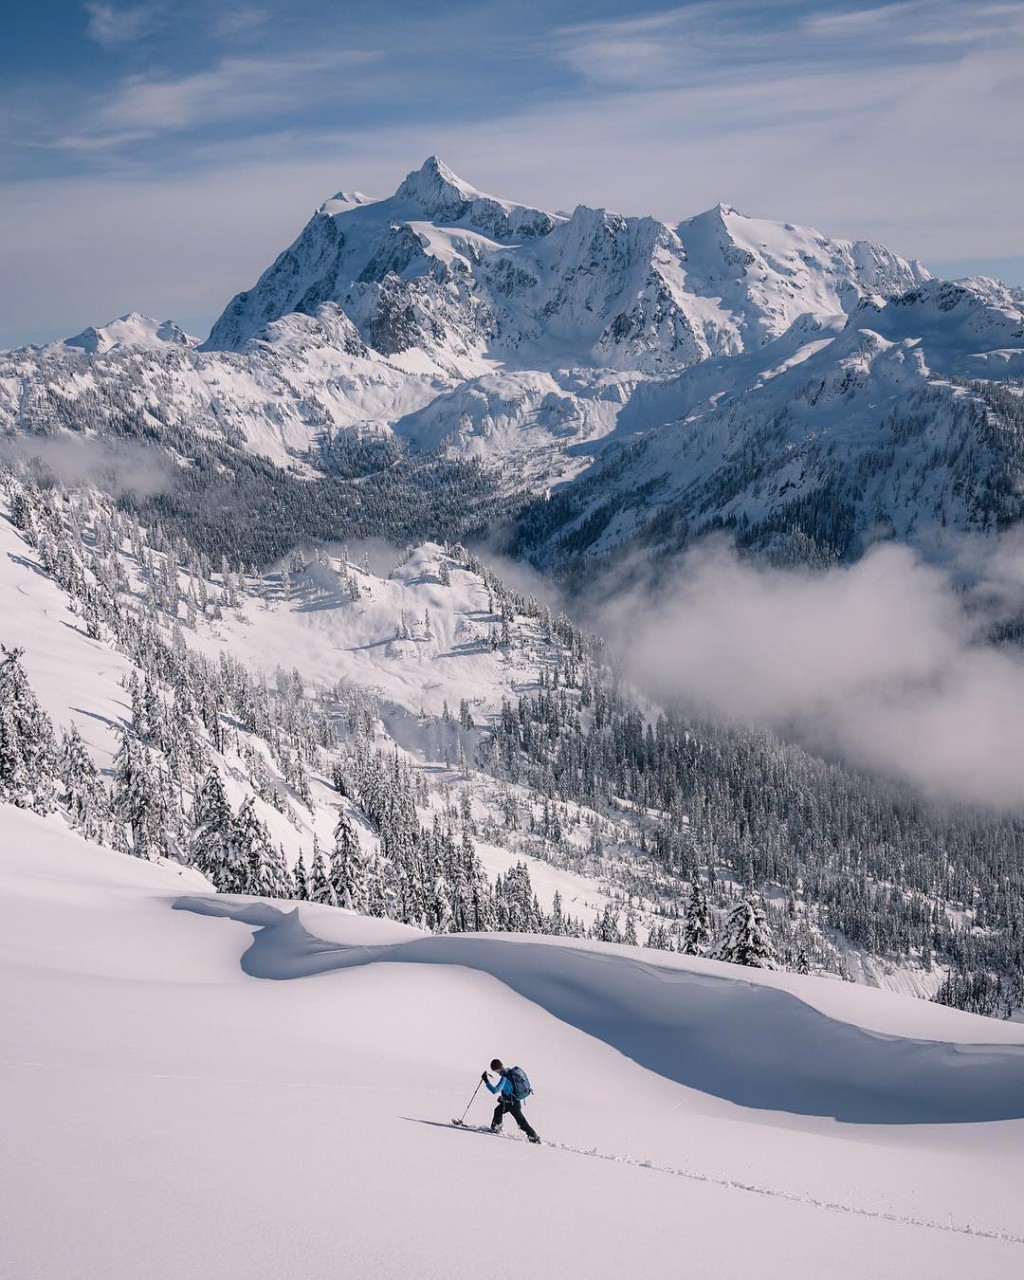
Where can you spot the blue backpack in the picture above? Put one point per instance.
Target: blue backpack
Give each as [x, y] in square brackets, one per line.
[520, 1083]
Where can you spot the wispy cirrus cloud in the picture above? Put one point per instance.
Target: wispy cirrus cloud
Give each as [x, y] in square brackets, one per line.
[234, 88]
[919, 22]
[694, 42]
[113, 25]
[246, 20]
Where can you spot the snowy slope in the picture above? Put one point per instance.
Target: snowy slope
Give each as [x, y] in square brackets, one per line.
[180, 1117]
[843, 435]
[408, 649]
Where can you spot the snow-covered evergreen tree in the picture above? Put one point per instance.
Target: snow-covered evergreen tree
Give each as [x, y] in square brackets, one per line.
[28, 750]
[301, 879]
[515, 904]
[256, 856]
[139, 796]
[211, 845]
[348, 867]
[82, 792]
[606, 927]
[697, 921]
[321, 888]
[746, 938]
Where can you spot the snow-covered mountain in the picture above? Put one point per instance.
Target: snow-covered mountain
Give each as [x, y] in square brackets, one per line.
[442, 269]
[132, 330]
[443, 321]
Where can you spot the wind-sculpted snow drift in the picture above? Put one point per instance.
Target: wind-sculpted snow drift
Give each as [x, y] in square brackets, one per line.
[739, 1040]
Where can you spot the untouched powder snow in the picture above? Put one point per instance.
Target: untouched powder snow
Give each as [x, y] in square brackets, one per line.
[171, 1114]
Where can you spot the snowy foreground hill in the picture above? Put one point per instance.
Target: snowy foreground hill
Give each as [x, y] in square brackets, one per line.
[199, 1085]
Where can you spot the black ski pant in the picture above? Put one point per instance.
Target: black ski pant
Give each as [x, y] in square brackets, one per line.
[513, 1107]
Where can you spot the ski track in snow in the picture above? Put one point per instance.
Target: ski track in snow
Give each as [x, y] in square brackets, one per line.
[774, 1193]
[692, 1175]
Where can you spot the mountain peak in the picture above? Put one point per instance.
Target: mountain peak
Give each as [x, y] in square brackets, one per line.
[437, 190]
[131, 330]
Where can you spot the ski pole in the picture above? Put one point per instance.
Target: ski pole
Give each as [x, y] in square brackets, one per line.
[470, 1102]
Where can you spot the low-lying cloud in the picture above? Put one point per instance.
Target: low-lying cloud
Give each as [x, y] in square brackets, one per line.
[880, 662]
[126, 466]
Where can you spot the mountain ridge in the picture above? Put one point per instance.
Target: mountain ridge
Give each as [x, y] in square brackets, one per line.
[526, 267]
[589, 357]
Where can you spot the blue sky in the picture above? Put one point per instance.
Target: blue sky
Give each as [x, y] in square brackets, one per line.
[157, 155]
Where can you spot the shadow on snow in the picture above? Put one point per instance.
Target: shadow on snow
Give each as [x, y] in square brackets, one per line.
[749, 1044]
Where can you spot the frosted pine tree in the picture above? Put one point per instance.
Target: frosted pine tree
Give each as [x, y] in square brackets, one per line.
[320, 887]
[441, 915]
[211, 847]
[746, 938]
[377, 904]
[28, 750]
[556, 920]
[516, 909]
[82, 791]
[479, 907]
[348, 868]
[697, 921]
[137, 798]
[255, 856]
[301, 879]
[607, 928]
[658, 938]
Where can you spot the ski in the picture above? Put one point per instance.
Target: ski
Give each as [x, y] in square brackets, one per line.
[483, 1128]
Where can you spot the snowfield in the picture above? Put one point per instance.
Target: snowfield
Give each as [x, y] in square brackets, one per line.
[234, 1088]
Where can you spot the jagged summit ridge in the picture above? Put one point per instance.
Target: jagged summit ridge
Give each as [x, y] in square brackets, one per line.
[467, 279]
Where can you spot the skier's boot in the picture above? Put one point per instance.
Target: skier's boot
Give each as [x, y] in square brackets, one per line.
[495, 1128]
[534, 1138]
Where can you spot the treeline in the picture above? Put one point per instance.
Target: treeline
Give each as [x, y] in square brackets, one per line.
[894, 873]
[197, 480]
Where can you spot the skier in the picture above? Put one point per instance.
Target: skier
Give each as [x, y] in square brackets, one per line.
[507, 1101]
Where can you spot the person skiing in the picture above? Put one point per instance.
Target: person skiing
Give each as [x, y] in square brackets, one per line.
[505, 1092]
